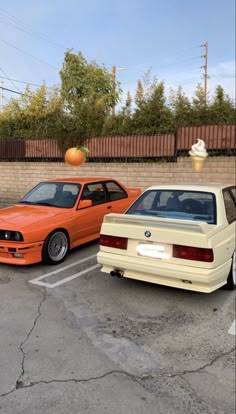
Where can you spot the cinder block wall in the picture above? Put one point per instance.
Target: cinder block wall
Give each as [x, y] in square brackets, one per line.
[19, 177]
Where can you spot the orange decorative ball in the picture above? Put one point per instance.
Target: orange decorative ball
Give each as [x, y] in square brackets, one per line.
[76, 156]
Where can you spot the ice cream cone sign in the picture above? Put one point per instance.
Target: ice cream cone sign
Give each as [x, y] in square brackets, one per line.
[76, 156]
[198, 154]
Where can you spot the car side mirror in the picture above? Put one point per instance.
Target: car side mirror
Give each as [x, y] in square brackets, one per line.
[84, 204]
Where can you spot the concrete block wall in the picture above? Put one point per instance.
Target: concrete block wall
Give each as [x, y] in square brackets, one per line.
[17, 178]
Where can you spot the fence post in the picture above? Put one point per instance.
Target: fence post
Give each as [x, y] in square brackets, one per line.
[176, 145]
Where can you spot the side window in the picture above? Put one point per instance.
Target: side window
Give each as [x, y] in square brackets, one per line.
[94, 192]
[86, 193]
[230, 206]
[115, 192]
[233, 191]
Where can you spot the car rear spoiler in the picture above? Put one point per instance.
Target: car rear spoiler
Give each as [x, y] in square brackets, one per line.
[186, 225]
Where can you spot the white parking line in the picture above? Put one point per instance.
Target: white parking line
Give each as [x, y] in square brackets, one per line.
[232, 329]
[38, 280]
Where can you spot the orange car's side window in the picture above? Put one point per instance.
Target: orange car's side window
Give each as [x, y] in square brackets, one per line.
[94, 192]
[115, 192]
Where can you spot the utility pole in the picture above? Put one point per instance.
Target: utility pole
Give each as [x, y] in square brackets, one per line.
[205, 67]
[114, 88]
[1, 97]
[114, 70]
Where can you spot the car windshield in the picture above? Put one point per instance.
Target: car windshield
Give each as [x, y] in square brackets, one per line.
[53, 194]
[176, 204]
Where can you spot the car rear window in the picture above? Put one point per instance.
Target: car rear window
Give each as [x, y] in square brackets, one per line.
[176, 204]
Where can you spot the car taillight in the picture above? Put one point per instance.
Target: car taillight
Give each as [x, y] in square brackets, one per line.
[193, 253]
[113, 241]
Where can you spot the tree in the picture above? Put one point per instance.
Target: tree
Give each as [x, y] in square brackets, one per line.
[88, 92]
[153, 115]
[200, 113]
[181, 108]
[36, 114]
[199, 102]
[139, 96]
[127, 108]
[11, 111]
[222, 109]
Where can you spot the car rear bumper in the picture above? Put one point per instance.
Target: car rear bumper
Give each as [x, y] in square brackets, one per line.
[178, 276]
[20, 253]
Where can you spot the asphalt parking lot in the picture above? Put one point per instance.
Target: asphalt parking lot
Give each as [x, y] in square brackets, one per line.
[75, 340]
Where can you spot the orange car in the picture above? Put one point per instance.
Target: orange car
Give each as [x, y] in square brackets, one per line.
[58, 215]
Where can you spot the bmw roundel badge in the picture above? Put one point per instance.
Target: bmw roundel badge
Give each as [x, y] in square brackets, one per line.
[147, 233]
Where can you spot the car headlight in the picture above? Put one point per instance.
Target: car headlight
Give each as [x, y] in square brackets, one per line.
[17, 236]
[13, 235]
[7, 235]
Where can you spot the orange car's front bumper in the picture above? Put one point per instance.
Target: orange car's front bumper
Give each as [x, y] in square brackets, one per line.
[20, 253]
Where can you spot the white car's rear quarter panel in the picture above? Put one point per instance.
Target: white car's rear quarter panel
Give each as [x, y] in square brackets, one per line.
[223, 241]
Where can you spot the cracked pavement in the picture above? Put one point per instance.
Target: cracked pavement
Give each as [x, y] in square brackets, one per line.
[104, 345]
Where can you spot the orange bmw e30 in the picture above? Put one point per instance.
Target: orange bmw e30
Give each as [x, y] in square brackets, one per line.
[58, 215]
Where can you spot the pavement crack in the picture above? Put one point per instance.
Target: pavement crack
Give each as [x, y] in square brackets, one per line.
[5, 394]
[21, 385]
[209, 364]
[19, 382]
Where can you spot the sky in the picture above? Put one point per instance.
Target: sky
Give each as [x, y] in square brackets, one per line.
[163, 36]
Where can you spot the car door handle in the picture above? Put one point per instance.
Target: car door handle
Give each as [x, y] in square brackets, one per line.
[108, 207]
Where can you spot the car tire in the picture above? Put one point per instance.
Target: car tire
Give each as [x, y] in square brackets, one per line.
[55, 248]
[231, 281]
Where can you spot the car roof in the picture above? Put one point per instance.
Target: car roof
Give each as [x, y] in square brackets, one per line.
[209, 187]
[80, 179]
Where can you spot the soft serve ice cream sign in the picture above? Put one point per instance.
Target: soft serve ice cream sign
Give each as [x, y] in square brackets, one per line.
[198, 155]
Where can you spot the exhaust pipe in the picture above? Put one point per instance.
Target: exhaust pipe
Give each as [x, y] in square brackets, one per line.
[117, 273]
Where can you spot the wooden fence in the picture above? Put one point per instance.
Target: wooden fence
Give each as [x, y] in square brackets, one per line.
[219, 139]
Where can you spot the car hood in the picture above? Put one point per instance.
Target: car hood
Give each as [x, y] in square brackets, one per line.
[20, 216]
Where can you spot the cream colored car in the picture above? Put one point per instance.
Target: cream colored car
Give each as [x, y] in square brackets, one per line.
[181, 236]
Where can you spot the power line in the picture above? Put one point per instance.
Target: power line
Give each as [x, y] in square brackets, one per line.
[163, 65]
[10, 80]
[156, 68]
[27, 29]
[26, 83]
[29, 54]
[27, 32]
[224, 75]
[174, 63]
[18, 93]
[18, 24]
[187, 81]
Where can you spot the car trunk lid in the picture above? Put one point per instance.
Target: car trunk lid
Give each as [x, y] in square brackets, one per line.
[157, 237]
